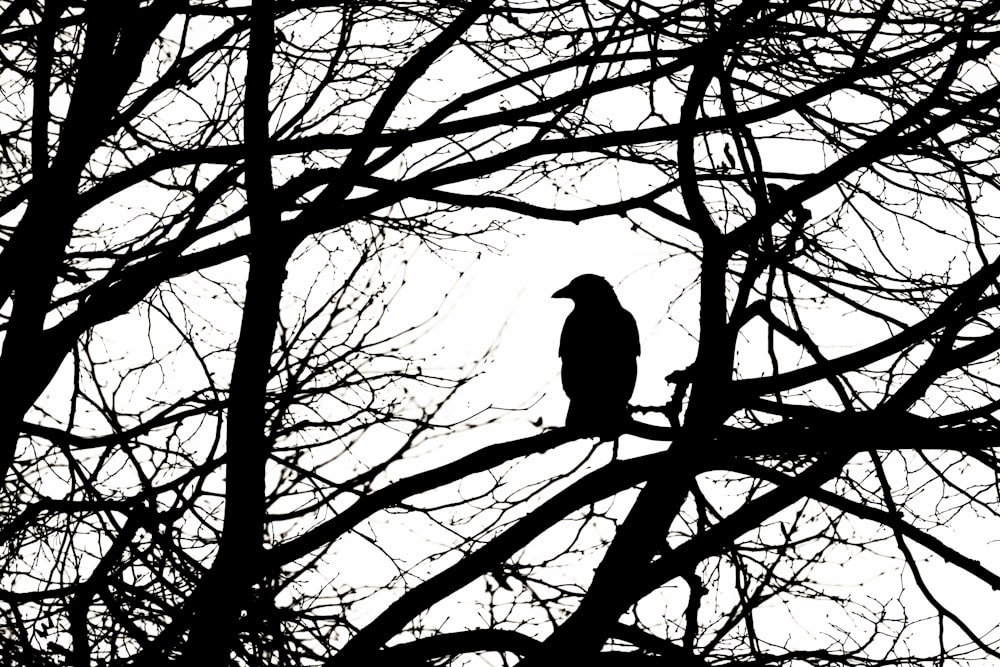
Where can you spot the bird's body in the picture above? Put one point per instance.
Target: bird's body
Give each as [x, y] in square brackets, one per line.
[598, 347]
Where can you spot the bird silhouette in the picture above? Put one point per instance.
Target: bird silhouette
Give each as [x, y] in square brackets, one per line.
[598, 347]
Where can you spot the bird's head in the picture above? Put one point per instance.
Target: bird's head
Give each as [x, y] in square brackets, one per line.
[588, 289]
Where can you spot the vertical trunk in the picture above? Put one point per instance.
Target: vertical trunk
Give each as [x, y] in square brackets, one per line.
[14, 264]
[228, 586]
[31, 262]
[117, 39]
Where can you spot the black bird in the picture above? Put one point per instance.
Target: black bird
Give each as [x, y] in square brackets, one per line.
[598, 347]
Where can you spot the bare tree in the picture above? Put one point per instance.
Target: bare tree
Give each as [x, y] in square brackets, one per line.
[223, 442]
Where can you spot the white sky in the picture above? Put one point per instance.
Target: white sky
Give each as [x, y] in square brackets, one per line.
[504, 300]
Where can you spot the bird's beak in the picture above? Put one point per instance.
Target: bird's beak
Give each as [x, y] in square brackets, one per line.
[562, 294]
